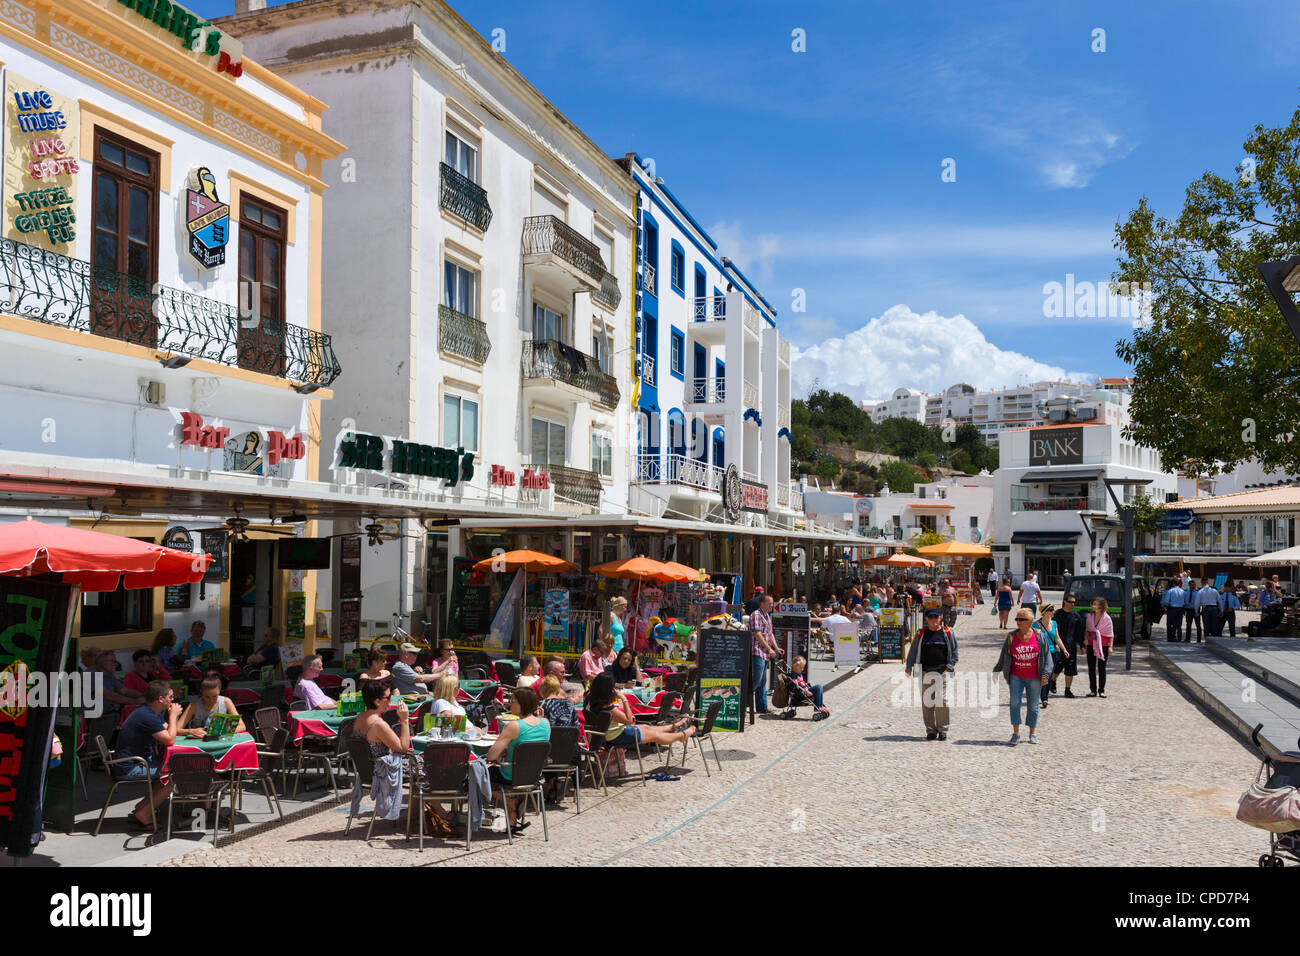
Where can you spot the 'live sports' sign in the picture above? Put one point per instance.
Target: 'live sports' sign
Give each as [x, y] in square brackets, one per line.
[1056, 446]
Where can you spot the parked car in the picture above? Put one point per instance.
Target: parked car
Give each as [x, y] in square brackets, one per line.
[1085, 587]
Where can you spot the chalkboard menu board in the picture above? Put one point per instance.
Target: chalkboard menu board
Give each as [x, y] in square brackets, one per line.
[791, 633]
[350, 568]
[891, 642]
[723, 660]
[216, 544]
[176, 597]
[474, 616]
[349, 621]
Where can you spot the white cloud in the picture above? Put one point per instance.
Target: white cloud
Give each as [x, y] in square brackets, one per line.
[904, 349]
[754, 255]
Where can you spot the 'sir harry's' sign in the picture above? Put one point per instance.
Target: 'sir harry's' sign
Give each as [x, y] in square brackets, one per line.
[1056, 446]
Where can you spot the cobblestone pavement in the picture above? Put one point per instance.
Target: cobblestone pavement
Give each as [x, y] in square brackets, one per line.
[1141, 778]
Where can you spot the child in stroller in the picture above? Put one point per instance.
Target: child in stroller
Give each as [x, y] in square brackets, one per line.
[793, 690]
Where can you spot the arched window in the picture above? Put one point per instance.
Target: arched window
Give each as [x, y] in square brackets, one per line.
[676, 432]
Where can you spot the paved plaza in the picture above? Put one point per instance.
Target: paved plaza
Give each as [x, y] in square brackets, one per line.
[1141, 778]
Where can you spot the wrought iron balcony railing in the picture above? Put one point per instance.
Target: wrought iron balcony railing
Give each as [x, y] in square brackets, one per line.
[551, 235]
[463, 335]
[708, 308]
[608, 294]
[72, 294]
[648, 280]
[548, 358]
[463, 197]
[711, 390]
[573, 484]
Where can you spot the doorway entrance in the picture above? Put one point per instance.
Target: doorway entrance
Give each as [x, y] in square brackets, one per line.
[252, 594]
[1051, 562]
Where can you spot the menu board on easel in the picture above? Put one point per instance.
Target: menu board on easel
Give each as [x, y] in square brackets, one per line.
[723, 669]
[892, 630]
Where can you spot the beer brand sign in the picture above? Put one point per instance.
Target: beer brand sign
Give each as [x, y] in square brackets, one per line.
[1056, 446]
[398, 458]
[42, 133]
[195, 34]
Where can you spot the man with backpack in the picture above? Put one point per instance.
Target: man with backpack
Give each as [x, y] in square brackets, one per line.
[935, 648]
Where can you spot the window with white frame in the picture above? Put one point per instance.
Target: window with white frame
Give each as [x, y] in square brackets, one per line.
[548, 324]
[600, 349]
[460, 289]
[602, 454]
[548, 442]
[459, 422]
[461, 156]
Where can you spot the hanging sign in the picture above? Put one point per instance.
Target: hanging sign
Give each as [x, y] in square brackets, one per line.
[41, 146]
[753, 497]
[178, 597]
[207, 219]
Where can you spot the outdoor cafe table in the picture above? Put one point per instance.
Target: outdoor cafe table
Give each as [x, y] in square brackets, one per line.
[235, 753]
[324, 723]
[471, 689]
[478, 746]
[247, 692]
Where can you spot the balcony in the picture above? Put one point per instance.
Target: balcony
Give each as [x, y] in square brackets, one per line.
[752, 321]
[783, 494]
[710, 390]
[463, 335]
[648, 369]
[464, 198]
[796, 498]
[782, 416]
[608, 294]
[572, 485]
[1020, 501]
[708, 309]
[750, 394]
[547, 360]
[72, 294]
[783, 350]
[648, 281]
[678, 470]
[558, 250]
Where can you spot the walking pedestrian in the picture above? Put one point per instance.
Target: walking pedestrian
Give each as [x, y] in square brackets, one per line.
[935, 648]
[1005, 600]
[1099, 633]
[948, 601]
[1069, 627]
[1174, 601]
[765, 649]
[993, 583]
[1207, 610]
[1046, 627]
[1230, 604]
[1029, 594]
[1025, 661]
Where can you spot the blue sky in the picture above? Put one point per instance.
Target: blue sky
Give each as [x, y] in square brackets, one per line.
[821, 170]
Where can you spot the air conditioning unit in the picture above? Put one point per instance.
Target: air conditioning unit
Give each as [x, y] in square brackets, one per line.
[1085, 413]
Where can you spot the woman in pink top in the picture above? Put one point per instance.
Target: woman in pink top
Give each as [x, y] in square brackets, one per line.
[1099, 635]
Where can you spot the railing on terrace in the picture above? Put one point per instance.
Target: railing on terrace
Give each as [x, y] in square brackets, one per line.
[796, 497]
[708, 309]
[751, 318]
[648, 369]
[648, 281]
[463, 197]
[1021, 501]
[548, 358]
[783, 350]
[463, 335]
[654, 469]
[750, 395]
[708, 391]
[572, 485]
[70, 293]
[608, 294]
[551, 235]
[783, 494]
[783, 416]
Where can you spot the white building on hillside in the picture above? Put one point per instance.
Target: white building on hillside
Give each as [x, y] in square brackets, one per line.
[904, 403]
[960, 508]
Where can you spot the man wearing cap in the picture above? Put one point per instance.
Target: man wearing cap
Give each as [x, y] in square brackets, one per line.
[936, 649]
[406, 677]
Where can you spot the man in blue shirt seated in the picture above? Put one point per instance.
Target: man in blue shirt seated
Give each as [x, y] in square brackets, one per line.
[146, 729]
[196, 645]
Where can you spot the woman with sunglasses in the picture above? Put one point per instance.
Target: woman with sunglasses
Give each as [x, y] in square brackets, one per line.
[1026, 663]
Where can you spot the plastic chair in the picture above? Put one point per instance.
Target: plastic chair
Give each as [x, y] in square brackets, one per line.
[675, 682]
[332, 757]
[526, 779]
[267, 720]
[109, 761]
[358, 750]
[591, 754]
[446, 767]
[705, 732]
[475, 673]
[194, 780]
[507, 676]
[270, 760]
[564, 748]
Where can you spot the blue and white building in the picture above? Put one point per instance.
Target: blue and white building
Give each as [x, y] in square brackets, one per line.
[713, 374]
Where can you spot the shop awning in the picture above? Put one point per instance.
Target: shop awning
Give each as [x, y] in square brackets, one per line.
[1076, 474]
[1044, 537]
[933, 506]
[1194, 559]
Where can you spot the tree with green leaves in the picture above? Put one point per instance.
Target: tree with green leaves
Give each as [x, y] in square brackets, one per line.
[1217, 369]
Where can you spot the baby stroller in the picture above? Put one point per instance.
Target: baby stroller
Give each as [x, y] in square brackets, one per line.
[1275, 806]
[788, 696]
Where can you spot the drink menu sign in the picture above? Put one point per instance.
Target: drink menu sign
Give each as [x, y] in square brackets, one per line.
[41, 140]
[724, 673]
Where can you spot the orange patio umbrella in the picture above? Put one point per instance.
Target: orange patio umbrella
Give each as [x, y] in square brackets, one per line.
[93, 560]
[955, 549]
[902, 560]
[524, 560]
[691, 574]
[643, 569]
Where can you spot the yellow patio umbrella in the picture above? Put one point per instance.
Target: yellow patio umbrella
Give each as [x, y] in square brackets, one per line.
[955, 549]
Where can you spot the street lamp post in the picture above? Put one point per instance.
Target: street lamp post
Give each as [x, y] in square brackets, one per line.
[1126, 512]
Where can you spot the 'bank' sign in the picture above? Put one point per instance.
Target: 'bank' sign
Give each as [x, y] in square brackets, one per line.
[1056, 446]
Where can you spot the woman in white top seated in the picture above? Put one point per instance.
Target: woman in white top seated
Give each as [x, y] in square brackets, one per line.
[445, 691]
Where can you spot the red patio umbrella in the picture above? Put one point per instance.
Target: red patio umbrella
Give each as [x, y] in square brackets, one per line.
[93, 560]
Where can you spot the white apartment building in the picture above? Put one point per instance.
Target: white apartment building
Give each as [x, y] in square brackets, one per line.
[713, 395]
[960, 508]
[479, 267]
[162, 360]
[1052, 512]
[904, 403]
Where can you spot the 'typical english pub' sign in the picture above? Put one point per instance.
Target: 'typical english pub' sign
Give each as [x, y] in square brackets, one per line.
[1056, 446]
[42, 130]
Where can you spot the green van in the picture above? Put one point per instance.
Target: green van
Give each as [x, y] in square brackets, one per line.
[1084, 587]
